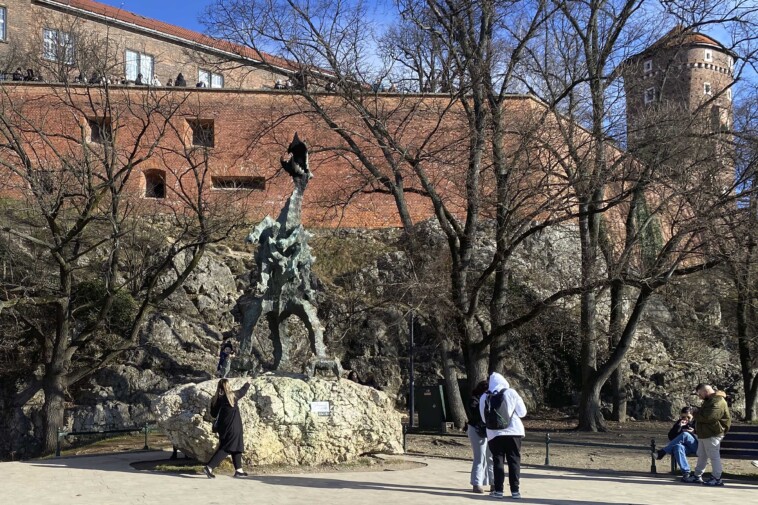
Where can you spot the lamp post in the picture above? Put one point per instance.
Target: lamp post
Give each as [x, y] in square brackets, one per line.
[411, 392]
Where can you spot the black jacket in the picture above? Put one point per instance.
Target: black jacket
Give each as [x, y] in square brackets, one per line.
[474, 418]
[678, 428]
[230, 432]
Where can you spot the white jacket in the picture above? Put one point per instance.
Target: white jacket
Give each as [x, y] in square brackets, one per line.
[515, 402]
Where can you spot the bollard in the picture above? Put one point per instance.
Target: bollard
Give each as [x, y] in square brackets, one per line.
[61, 434]
[146, 448]
[653, 469]
[547, 449]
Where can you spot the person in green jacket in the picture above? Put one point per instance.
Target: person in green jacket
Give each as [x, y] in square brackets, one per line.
[712, 424]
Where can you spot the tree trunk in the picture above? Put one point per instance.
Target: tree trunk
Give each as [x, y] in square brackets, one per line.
[749, 379]
[52, 410]
[457, 410]
[477, 364]
[590, 417]
[618, 378]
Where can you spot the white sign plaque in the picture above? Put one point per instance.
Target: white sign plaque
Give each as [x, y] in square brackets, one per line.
[321, 408]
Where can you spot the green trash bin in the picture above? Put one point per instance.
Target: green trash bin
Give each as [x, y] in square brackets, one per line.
[431, 408]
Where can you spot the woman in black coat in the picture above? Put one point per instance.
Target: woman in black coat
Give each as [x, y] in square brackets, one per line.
[225, 407]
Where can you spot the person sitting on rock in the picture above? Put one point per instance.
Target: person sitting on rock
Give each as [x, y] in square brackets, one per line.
[225, 359]
[228, 425]
[682, 441]
[352, 375]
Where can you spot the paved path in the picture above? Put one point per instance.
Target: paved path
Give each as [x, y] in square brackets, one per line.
[106, 480]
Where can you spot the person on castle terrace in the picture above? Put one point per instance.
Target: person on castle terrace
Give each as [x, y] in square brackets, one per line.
[138, 81]
[170, 82]
[30, 75]
[156, 81]
[482, 468]
[200, 84]
[228, 425]
[682, 441]
[180, 80]
[18, 75]
[713, 422]
[95, 79]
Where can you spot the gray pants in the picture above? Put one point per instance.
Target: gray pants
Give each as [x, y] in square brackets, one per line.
[708, 449]
[482, 467]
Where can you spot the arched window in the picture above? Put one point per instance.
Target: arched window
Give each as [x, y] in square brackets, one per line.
[155, 183]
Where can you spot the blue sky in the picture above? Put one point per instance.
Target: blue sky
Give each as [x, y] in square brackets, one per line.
[184, 13]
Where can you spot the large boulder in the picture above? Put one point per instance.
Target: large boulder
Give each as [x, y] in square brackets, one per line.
[280, 425]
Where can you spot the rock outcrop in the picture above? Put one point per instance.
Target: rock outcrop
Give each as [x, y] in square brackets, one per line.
[279, 422]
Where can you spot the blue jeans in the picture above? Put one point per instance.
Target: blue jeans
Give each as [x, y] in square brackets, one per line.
[682, 446]
[482, 469]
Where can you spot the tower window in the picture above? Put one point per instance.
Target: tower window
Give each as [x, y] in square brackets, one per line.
[647, 66]
[708, 55]
[729, 94]
[155, 184]
[707, 90]
[731, 63]
[649, 95]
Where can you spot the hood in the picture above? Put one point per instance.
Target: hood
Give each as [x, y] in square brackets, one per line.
[497, 382]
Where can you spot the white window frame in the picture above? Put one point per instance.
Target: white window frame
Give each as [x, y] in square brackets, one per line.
[707, 89]
[708, 56]
[53, 41]
[731, 63]
[729, 94]
[143, 63]
[3, 22]
[210, 79]
[647, 66]
[649, 95]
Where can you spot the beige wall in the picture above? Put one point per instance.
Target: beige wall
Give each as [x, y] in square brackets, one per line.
[26, 20]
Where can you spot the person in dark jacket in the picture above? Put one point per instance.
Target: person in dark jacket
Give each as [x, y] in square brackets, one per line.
[180, 80]
[225, 359]
[225, 408]
[482, 469]
[682, 441]
[18, 75]
[713, 422]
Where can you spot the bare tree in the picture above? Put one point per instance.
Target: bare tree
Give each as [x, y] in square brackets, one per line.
[76, 155]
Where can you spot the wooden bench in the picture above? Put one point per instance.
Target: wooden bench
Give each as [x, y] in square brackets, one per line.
[741, 442]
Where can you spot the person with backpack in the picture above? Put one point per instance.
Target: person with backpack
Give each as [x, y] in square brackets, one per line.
[481, 467]
[502, 409]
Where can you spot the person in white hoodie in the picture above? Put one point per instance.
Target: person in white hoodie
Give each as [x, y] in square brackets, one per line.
[505, 444]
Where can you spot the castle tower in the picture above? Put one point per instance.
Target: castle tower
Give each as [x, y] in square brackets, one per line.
[685, 74]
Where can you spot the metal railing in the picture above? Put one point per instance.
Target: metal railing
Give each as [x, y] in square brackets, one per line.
[146, 428]
[651, 448]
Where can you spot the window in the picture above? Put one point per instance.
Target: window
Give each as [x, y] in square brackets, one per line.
[155, 184]
[729, 94]
[210, 79]
[708, 55]
[238, 182]
[2, 23]
[731, 63]
[648, 66]
[649, 95]
[138, 63]
[707, 88]
[58, 46]
[100, 130]
[202, 132]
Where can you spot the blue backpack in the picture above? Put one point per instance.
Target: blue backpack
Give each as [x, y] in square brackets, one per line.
[497, 414]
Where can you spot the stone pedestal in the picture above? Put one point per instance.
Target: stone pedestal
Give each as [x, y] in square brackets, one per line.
[285, 420]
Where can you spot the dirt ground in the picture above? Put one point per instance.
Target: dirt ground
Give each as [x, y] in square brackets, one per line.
[456, 445]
